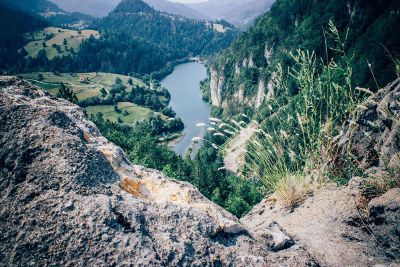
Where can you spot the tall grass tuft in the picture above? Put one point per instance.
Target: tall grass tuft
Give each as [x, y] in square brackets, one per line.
[293, 153]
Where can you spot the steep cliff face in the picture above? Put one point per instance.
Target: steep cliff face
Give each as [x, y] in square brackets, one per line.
[70, 197]
[216, 86]
[291, 25]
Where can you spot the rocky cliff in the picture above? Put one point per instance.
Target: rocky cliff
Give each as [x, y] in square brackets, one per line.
[70, 197]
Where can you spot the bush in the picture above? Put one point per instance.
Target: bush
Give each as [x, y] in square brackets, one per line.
[67, 93]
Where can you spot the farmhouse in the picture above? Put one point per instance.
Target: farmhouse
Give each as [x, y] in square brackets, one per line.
[83, 79]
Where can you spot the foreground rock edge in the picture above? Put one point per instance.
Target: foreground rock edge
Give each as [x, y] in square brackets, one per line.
[70, 197]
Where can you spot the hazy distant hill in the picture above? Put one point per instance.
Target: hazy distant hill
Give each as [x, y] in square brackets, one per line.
[95, 8]
[49, 10]
[241, 13]
[177, 9]
[101, 8]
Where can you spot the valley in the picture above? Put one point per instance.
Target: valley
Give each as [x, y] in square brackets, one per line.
[200, 133]
[89, 85]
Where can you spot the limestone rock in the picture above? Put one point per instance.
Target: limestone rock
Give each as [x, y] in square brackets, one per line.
[384, 214]
[331, 226]
[69, 197]
[216, 86]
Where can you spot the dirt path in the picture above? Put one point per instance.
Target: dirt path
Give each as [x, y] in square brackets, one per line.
[236, 149]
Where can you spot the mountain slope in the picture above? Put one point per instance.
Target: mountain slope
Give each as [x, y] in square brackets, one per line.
[238, 12]
[177, 9]
[49, 10]
[178, 37]
[95, 8]
[249, 63]
[101, 8]
[18, 22]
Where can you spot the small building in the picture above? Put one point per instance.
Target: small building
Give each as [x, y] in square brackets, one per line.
[83, 79]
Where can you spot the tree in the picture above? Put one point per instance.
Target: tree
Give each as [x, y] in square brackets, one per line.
[67, 94]
[118, 80]
[130, 82]
[103, 92]
[40, 77]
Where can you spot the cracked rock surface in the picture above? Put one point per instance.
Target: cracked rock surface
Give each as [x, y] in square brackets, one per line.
[69, 197]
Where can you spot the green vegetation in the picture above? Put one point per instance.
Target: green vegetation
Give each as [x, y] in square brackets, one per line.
[296, 24]
[12, 32]
[53, 41]
[314, 68]
[134, 112]
[130, 42]
[119, 98]
[67, 93]
[92, 87]
[49, 11]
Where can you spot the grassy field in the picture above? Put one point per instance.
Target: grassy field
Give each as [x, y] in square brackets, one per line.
[135, 112]
[56, 36]
[96, 81]
[51, 83]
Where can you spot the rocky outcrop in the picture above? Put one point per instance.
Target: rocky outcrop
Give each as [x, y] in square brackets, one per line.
[216, 86]
[372, 135]
[69, 197]
[260, 93]
[268, 52]
[333, 227]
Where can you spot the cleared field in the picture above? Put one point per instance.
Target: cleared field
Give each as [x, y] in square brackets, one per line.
[135, 112]
[95, 81]
[65, 39]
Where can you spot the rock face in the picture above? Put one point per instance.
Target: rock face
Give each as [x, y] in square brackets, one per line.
[216, 86]
[332, 227]
[384, 215]
[372, 136]
[69, 197]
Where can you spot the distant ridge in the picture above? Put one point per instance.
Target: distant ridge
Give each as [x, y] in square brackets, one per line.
[177, 9]
[241, 13]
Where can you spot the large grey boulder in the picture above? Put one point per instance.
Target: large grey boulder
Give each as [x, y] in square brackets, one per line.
[69, 197]
[384, 215]
[372, 136]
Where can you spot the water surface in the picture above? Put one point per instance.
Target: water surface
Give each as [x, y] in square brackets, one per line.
[186, 100]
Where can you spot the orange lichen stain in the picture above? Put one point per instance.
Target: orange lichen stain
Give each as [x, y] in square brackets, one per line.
[106, 152]
[131, 186]
[87, 138]
[173, 197]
